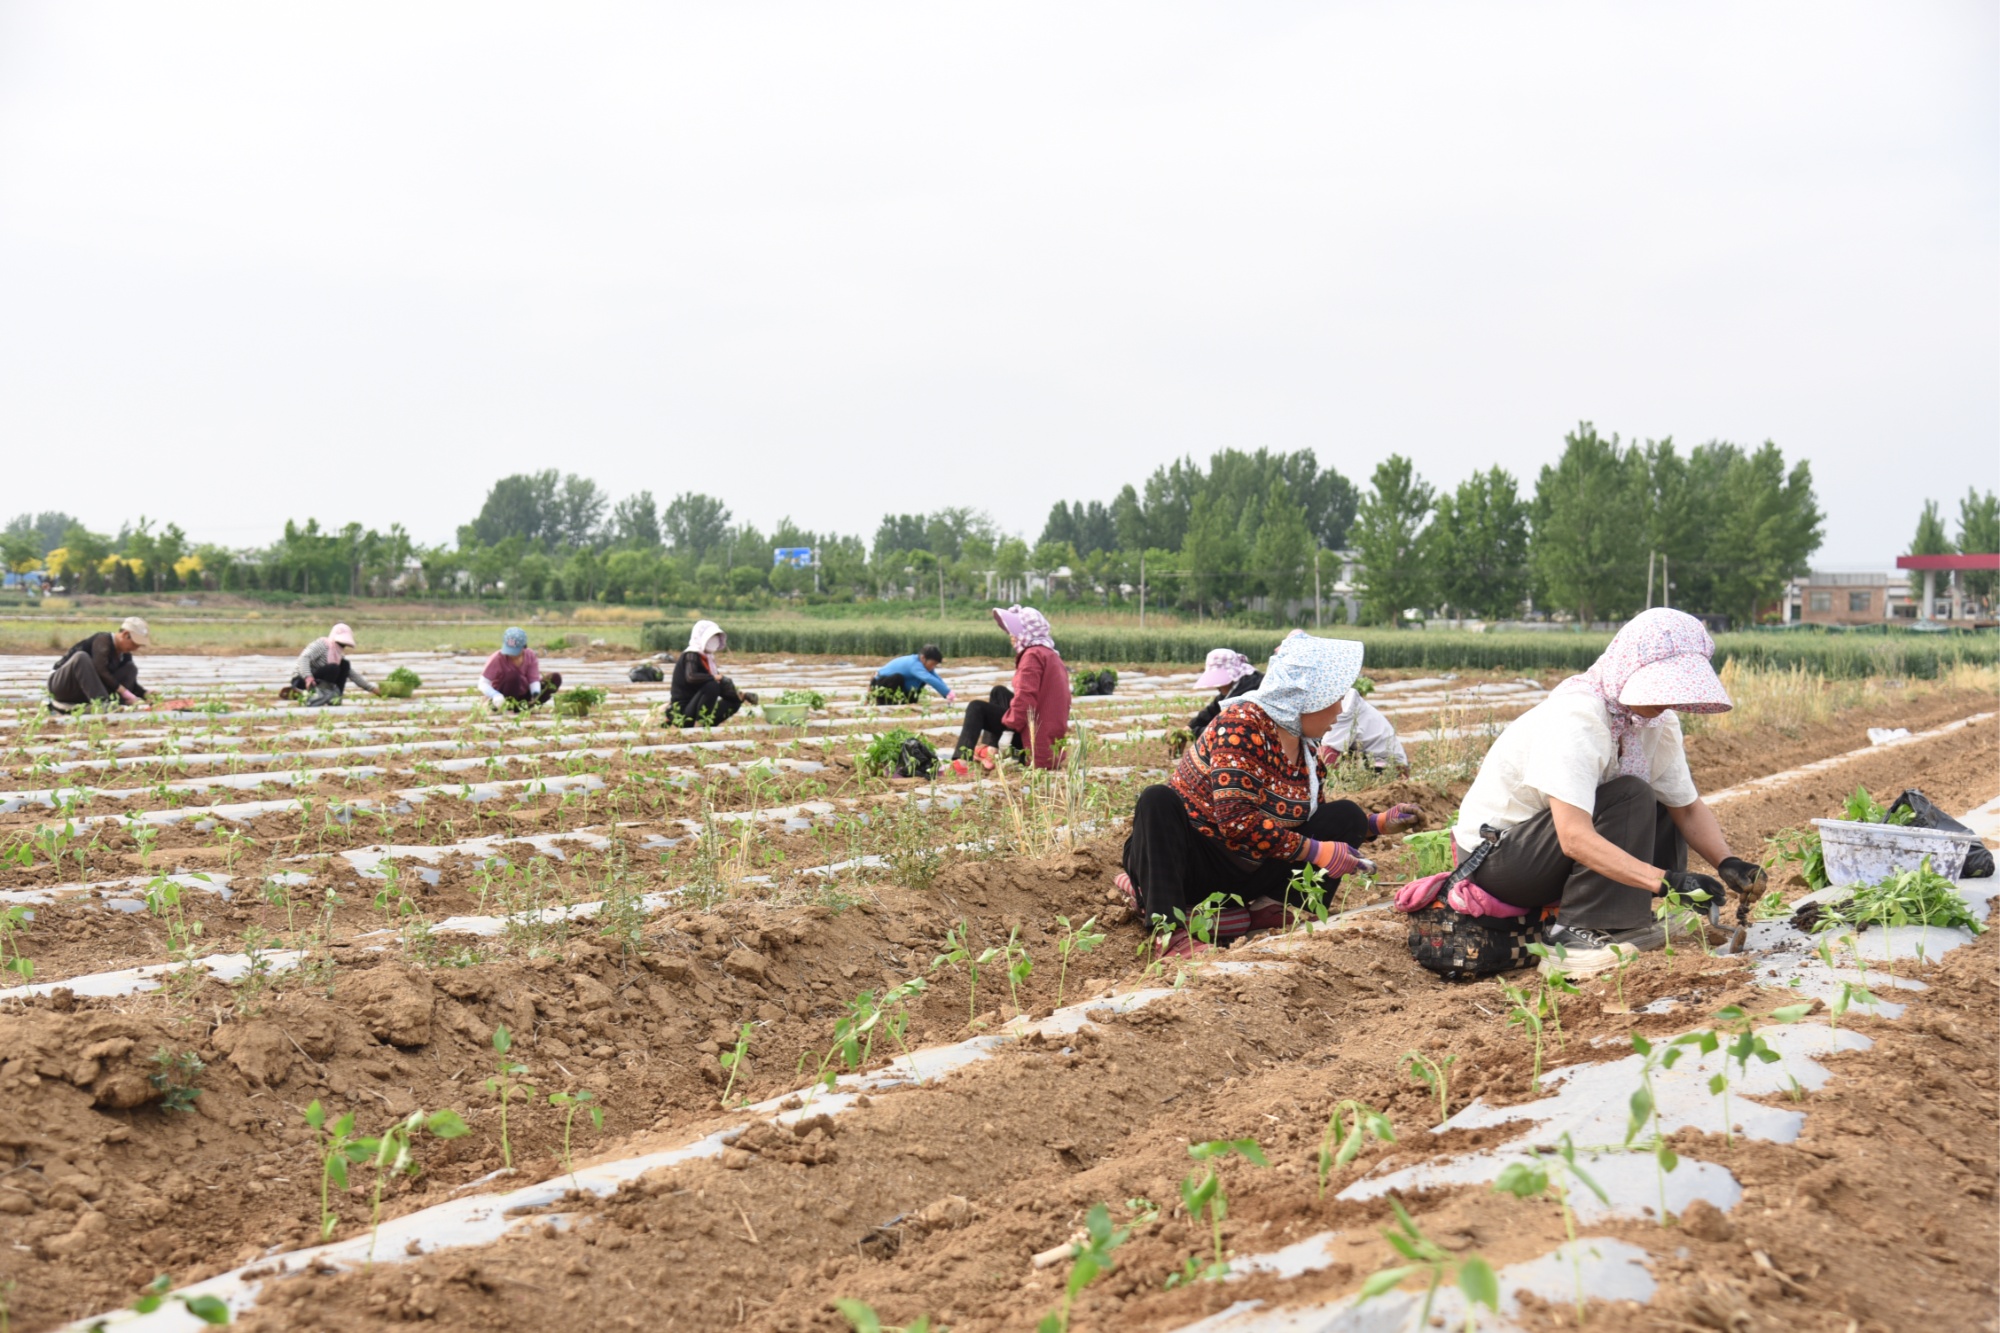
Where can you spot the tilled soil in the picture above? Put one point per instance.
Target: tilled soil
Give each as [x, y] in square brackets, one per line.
[931, 1199]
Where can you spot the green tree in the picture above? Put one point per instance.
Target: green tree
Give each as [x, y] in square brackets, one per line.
[1767, 524]
[1388, 534]
[696, 527]
[1930, 538]
[1586, 529]
[1283, 550]
[635, 522]
[1979, 534]
[1211, 553]
[1477, 546]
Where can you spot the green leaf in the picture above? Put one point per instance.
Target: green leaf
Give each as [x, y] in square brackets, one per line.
[336, 1171]
[1640, 1045]
[447, 1124]
[1477, 1280]
[503, 1040]
[208, 1309]
[1523, 1180]
[1386, 1280]
[1716, 1084]
[1642, 1111]
[1791, 1013]
[860, 1314]
[316, 1114]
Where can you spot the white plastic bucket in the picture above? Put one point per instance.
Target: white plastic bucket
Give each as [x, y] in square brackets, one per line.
[1859, 853]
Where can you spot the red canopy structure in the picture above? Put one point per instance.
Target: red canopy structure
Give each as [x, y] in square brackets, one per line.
[1949, 561]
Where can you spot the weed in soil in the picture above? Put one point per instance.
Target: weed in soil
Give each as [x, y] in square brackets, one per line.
[174, 1074]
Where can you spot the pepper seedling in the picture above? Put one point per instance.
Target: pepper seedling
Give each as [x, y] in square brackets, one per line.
[1435, 1075]
[393, 1154]
[1074, 940]
[506, 1081]
[208, 1309]
[1090, 1258]
[568, 1102]
[1366, 1123]
[732, 1060]
[1204, 1193]
[1475, 1277]
[1526, 1180]
[337, 1147]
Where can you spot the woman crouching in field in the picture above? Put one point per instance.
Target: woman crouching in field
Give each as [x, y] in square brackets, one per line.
[1242, 810]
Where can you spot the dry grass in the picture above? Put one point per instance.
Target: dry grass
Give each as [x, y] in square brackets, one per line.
[1794, 698]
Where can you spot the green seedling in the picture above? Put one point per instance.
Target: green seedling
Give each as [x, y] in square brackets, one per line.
[1850, 993]
[1435, 1075]
[1526, 1014]
[508, 1079]
[569, 1102]
[1527, 1180]
[1625, 957]
[1363, 1123]
[1743, 1046]
[1474, 1276]
[1433, 849]
[1684, 914]
[1203, 1193]
[1645, 1107]
[393, 1154]
[1771, 907]
[959, 950]
[1074, 940]
[862, 1318]
[1090, 1258]
[1919, 897]
[338, 1148]
[1019, 965]
[208, 1309]
[1800, 846]
[1862, 808]
[390, 900]
[164, 900]
[174, 1074]
[732, 1059]
[1309, 886]
[1555, 982]
[13, 924]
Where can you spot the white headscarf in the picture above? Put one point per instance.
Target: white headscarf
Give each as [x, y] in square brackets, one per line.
[1305, 675]
[705, 638]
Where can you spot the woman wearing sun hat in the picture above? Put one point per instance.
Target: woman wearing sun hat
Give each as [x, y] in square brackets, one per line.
[1230, 674]
[325, 669]
[1591, 795]
[1034, 711]
[1242, 812]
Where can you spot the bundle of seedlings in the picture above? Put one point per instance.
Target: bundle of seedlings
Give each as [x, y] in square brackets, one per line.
[900, 753]
[1919, 897]
[578, 702]
[400, 684]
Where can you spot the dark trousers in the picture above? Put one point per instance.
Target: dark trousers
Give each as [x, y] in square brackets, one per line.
[328, 683]
[1174, 866]
[709, 706]
[983, 718]
[892, 690]
[1528, 868]
[76, 682]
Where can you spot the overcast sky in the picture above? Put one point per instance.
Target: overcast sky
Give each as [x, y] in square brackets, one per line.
[358, 261]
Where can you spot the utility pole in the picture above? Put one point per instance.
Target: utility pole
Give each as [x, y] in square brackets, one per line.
[1316, 623]
[1666, 582]
[1649, 577]
[1142, 587]
[940, 590]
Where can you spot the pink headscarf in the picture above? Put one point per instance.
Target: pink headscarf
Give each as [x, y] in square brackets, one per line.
[1027, 627]
[1660, 659]
[336, 643]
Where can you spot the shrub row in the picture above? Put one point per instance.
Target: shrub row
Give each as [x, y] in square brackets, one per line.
[1917, 655]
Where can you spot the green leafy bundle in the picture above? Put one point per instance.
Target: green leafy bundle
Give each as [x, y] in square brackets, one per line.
[1862, 808]
[579, 701]
[401, 683]
[1919, 897]
[882, 753]
[809, 698]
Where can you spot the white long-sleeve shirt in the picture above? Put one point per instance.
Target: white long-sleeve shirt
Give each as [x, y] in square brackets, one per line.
[1361, 723]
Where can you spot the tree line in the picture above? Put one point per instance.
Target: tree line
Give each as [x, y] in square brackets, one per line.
[1606, 529]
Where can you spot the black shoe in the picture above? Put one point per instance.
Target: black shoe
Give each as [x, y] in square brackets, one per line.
[1581, 951]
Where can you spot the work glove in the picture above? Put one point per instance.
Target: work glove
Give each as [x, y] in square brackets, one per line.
[1693, 888]
[1328, 755]
[1741, 875]
[1396, 819]
[1337, 859]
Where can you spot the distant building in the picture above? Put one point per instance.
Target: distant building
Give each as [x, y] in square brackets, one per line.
[1826, 598]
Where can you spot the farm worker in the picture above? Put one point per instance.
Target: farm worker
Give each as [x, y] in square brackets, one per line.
[324, 669]
[1035, 709]
[513, 676]
[902, 679]
[1230, 674]
[702, 698]
[1592, 797]
[1241, 812]
[1361, 729]
[100, 669]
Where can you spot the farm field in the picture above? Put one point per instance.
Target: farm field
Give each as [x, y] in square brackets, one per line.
[396, 909]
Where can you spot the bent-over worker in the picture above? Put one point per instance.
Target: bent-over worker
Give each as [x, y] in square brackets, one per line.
[1241, 812]
[702, 697]
[1591, 795]
[513, 676]
[100, 669]
[1035, 709]
[325, 669]
[902, 679]
[1231, 675]
[1363, 733]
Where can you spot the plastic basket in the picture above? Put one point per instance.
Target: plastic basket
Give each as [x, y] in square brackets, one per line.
[1859, 853]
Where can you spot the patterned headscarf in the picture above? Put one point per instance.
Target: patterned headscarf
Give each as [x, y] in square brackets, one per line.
[1027, 627]
[1660, 659]
[1224, 666]
[1305, 675]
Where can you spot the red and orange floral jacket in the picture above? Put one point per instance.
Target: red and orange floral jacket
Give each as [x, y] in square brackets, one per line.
[1240, 789]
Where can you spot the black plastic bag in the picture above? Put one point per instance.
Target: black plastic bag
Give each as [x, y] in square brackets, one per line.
[1978, 861]
[917, 759]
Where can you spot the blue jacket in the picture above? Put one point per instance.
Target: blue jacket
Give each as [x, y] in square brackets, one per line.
[914, 675]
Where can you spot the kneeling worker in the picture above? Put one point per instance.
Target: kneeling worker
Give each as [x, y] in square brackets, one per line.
[325, 670]
[1592, 797]
[1362, 733]
[700, 695]
[100, 669]
[1230, 674]
[902, 680]
[514, 676]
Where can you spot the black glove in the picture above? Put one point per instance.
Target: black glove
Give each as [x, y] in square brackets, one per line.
[1741, 875]
[1690, 886]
